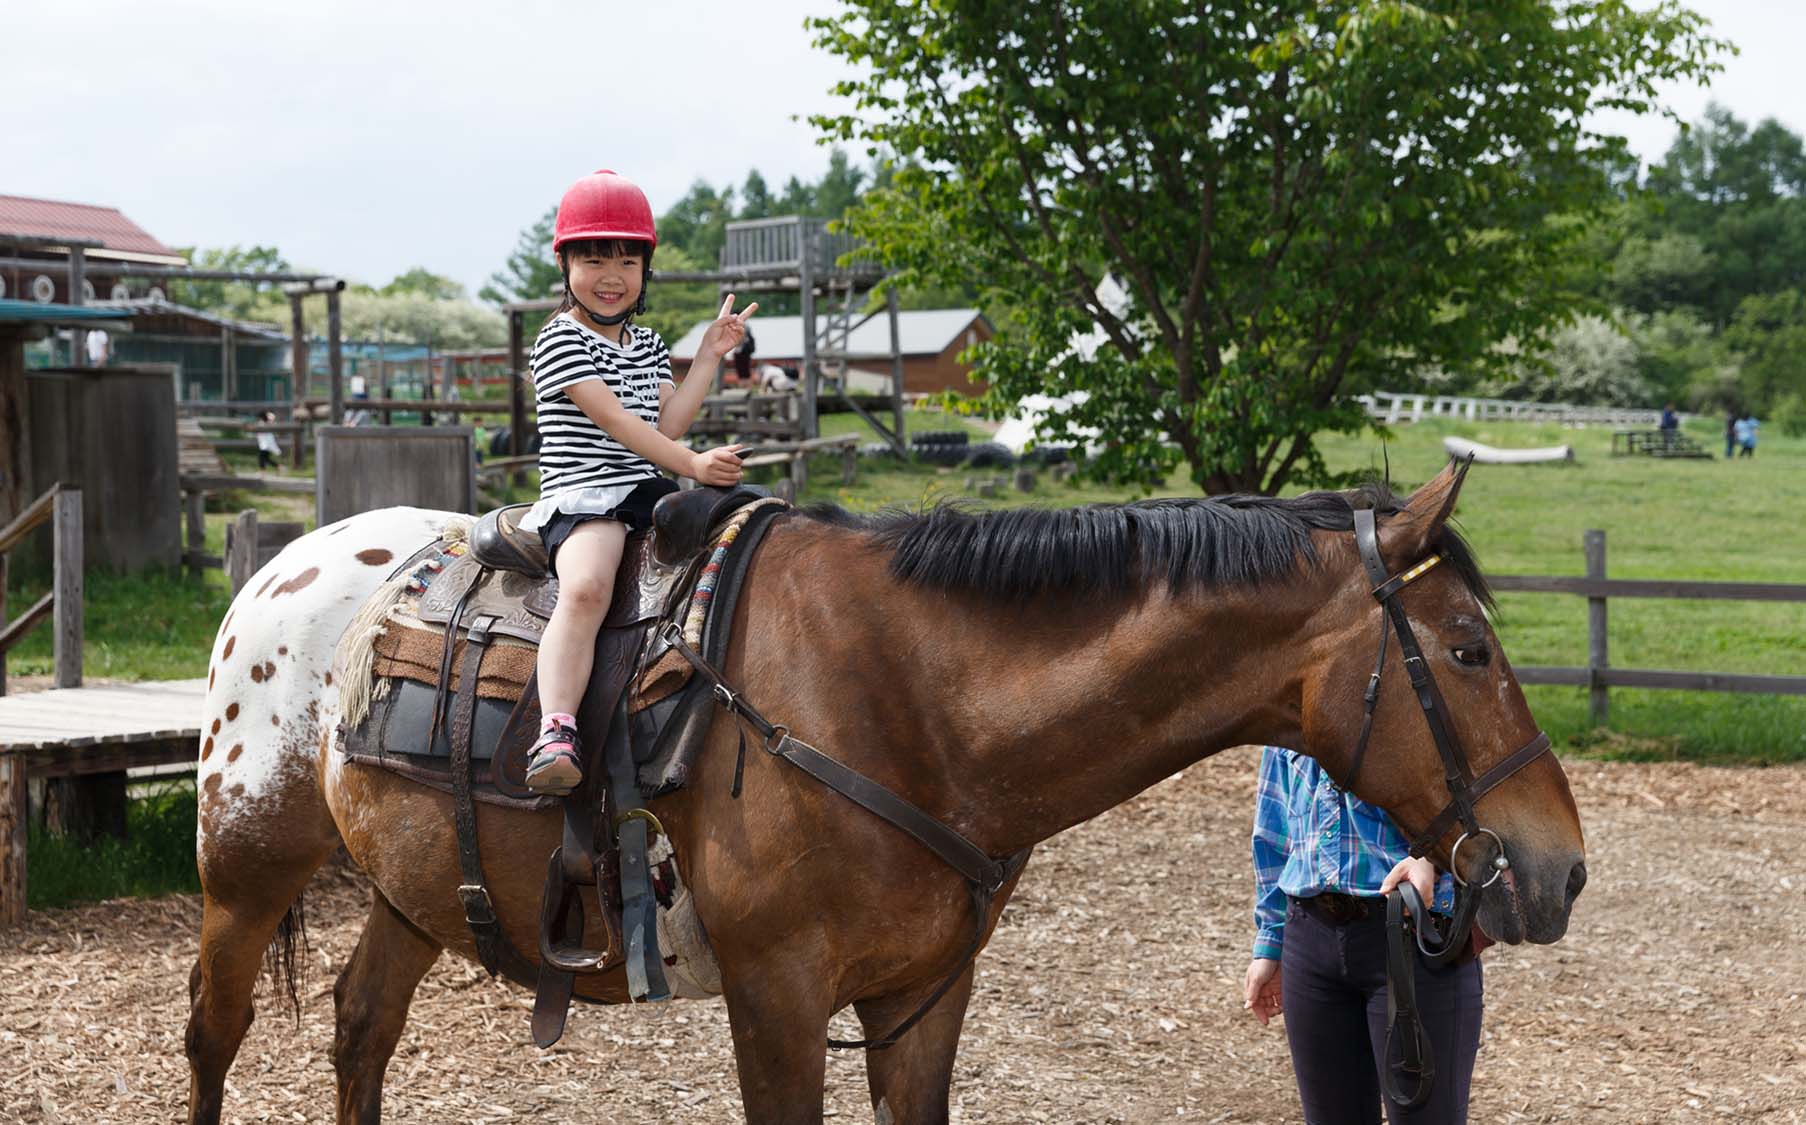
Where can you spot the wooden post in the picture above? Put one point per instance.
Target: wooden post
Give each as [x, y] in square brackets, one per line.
[517, 391]
[78, 336]
[3, 576]
[241, 549]
[426, 387]
[896, 369]
[335, 359]
[849, 464]
[66, 581]
[806, 291]
[1599, 707]
[799, 472]
[15, 822]
[195, 541]
[297, 371]
[382, 376]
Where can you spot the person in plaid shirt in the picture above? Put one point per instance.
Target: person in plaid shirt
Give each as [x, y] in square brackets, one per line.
[1323, 860]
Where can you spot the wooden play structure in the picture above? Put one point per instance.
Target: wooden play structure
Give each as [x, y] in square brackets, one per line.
[794, 254]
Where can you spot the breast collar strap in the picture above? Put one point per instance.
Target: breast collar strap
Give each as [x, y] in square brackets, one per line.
[1464, 789]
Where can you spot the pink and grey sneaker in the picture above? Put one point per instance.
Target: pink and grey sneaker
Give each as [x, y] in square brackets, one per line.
[556, 766]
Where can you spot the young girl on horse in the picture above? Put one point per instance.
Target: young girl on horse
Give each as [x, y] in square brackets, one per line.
[609, 419]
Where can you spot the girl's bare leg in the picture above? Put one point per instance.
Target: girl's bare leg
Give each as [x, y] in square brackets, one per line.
[587, 562]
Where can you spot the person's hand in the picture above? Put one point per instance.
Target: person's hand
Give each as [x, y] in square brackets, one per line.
[727, 331]
[1260, 989]
[719, 467]
[1420, 872]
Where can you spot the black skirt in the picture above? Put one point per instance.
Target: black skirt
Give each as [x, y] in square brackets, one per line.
[635, 511]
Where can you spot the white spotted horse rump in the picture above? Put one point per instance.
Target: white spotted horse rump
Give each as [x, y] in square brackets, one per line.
[271, 698]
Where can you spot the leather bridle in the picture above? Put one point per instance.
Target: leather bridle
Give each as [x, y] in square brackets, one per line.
[1465, 790]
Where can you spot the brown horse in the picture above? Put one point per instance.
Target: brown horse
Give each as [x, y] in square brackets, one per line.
[1013, 673]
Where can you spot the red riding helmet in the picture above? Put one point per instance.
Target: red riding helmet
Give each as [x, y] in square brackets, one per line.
[603, 205]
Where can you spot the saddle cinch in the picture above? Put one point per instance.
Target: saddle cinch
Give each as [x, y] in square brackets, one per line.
[459, 711]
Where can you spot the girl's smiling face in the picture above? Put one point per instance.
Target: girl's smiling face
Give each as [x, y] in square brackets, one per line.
[607, 276]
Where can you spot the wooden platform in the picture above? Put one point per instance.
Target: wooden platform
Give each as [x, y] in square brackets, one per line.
[83, 732]
[97, 729]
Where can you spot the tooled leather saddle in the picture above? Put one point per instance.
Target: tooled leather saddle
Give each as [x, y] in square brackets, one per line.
[495, 596]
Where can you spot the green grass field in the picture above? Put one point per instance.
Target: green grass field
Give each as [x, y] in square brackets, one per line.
[1719, 520]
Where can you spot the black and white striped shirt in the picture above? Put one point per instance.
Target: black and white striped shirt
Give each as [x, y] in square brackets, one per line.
[574, 452]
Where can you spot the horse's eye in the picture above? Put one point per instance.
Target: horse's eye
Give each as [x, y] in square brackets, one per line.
[1474, 656]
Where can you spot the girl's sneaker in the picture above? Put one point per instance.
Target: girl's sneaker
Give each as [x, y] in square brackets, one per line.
[556, 765]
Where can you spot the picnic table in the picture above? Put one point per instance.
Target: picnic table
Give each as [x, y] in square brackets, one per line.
[1657, 443]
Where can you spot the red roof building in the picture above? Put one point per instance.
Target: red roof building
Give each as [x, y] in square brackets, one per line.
[47, 220]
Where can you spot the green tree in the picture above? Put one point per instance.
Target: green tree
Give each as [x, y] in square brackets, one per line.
[1591, 360]
[426, 283]
[755, 197]
[1740, 195]
[698, 223]
[409, 318]
[530, 272]
[241, 300]
[1768, 337]
[1653, 273]
[1678, 355]
[1302, 198]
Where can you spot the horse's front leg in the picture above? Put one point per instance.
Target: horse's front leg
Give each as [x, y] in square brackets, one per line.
[912, 1079]
[778, 1009]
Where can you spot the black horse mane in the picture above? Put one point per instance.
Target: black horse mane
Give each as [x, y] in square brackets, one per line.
[1118, 549]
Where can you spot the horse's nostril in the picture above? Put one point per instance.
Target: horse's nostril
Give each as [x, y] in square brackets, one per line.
[1577, 879]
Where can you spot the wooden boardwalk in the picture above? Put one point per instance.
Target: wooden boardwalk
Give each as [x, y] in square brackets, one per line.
[82, 732]
[96, 722]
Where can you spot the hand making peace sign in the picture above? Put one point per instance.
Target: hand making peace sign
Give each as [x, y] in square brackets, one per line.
[726, 333]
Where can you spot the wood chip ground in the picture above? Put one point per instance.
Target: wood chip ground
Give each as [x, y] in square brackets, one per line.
[1111, 992]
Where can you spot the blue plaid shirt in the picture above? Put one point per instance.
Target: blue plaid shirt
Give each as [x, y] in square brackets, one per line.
[1310, 837]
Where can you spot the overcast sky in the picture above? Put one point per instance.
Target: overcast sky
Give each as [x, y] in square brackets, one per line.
[366, 138]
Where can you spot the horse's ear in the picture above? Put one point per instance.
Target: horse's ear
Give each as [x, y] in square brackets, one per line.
[1408, 535]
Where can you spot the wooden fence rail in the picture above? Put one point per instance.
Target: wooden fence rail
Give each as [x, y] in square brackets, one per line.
[196, 486]
[1597, 675]
[62, 508]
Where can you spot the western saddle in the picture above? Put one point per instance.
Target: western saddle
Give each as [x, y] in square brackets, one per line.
[655, 717]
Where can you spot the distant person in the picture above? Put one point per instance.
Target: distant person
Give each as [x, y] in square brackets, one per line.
[268, 449]
[743, 364]
[479, 438]
[1730, 435]
[1745, 431]
[100, 347]
[776, 379]
[1671, 424]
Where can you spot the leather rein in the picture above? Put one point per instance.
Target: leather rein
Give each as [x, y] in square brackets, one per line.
[984, 875]
[1464, 791]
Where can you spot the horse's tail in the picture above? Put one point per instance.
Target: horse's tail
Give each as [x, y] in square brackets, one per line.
[285, 968]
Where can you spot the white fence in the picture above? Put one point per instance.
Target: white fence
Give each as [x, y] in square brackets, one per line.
[1385, 406]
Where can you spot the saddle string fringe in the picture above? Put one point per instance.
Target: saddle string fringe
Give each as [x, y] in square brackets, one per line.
[356, 655]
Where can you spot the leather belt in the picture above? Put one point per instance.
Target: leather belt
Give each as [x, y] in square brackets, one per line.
[1335, 909]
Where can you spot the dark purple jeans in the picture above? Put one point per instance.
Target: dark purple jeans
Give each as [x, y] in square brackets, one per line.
[1333, 988]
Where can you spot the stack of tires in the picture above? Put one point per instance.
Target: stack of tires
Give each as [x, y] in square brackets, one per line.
[940, 447]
